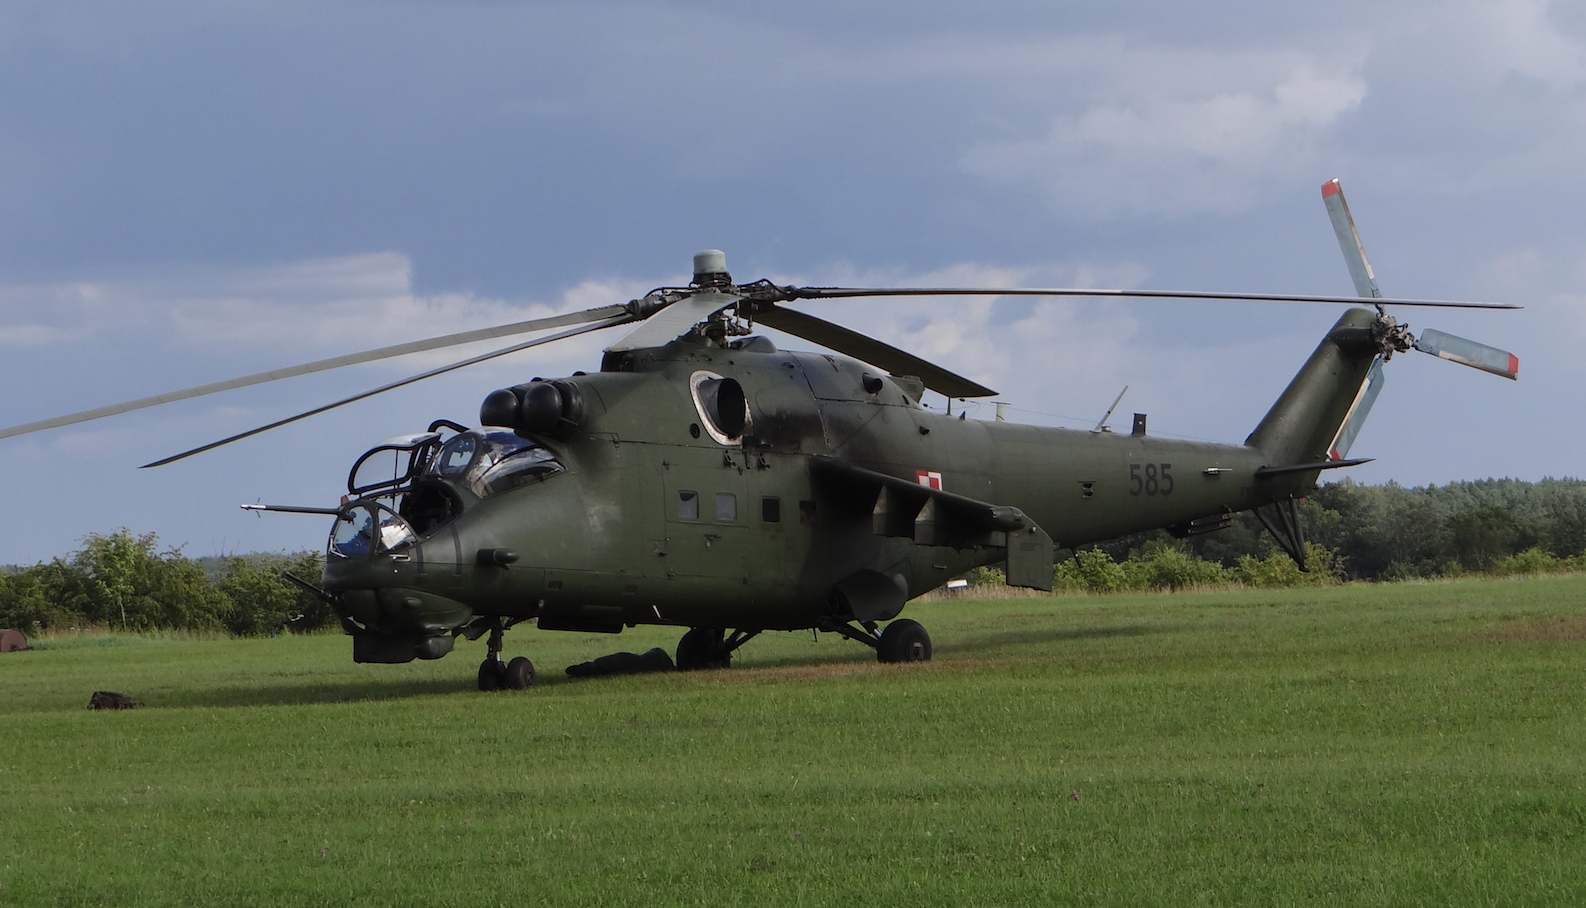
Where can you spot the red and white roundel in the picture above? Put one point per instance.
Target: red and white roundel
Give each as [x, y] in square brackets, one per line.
[929, 478]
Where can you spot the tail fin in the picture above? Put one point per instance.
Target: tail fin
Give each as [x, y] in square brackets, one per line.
[1304, 425]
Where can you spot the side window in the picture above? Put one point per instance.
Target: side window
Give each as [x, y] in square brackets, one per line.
[726, 506]
[456, 455]
[771, 510]
[687, 505]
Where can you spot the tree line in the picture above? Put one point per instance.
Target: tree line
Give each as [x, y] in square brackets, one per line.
[1357, 532]
[127, 582]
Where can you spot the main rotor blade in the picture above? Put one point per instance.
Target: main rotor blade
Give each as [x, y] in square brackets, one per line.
[668, 324]
[859, 346]
[1468, 353]
[622, 318]
[335, 362]
[826, 293]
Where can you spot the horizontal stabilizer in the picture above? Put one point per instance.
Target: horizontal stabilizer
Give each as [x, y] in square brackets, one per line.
[1468, 353]
[1266, 472]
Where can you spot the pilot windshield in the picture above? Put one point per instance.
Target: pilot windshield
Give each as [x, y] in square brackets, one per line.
[493, 461]
[365, 530]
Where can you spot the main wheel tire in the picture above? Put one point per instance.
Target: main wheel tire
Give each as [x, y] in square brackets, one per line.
[703, 648]
[491, 674]
[519, 674]
[904, 640]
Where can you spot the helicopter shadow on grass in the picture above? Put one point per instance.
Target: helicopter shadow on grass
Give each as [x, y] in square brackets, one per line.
[373, 691]
[234, 696]
[982, 643]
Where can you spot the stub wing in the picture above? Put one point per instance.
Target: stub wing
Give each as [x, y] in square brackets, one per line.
[930, 516]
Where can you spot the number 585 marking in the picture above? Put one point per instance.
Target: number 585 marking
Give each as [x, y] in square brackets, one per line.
[1150, 479]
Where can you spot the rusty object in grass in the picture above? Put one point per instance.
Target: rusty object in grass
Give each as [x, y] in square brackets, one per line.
[109, 699]
[1557, 629]
[12, 641]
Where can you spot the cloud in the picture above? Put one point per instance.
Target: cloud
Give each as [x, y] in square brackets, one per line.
[307, 308]
[1523, 38]
[126, 339]
[1049, 357]
[521, 157]
[1160, 154]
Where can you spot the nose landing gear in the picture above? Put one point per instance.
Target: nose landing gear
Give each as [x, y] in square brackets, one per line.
[497, 675]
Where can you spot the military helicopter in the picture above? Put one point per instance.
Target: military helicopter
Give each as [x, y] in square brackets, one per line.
[707, 480]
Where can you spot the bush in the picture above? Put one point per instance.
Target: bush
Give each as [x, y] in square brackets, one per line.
[30, 600]
[1531, 561]
[1280, 570]
[1091, 570]
[1158, 566]
[262, 602]
[986, 576]
[122, 582]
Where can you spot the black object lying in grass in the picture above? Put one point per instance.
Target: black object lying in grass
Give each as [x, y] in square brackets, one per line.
[109, 699]
[656, 660]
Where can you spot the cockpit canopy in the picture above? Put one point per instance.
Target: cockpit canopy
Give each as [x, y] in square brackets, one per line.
[491, 461]
[392, 464]
[427, 480]
[485, 461]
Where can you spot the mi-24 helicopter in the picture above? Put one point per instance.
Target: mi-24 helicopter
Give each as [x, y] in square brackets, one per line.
[705, 479]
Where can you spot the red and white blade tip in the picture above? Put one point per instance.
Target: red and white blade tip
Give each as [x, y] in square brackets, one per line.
[1331, 187]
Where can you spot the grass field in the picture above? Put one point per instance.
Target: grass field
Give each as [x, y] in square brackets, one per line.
[1409, 744]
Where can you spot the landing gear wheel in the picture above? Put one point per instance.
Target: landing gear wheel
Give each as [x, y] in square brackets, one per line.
[519, 674]
[904, 640]
[492, 674]
[703, 648]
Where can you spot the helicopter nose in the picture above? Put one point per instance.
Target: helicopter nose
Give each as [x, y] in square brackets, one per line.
[395, 609]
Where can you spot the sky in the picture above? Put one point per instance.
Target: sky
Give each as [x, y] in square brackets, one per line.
[194, 191]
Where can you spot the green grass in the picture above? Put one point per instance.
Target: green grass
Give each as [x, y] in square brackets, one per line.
[1408, 744]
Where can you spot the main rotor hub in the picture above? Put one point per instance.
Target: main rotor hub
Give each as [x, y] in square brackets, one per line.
[710, 269]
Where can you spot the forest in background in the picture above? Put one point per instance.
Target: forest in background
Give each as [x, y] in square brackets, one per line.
[1380, 533]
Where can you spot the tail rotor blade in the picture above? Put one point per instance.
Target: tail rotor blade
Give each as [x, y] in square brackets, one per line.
[1349, 240]
[1468, 353]
[1355, 419]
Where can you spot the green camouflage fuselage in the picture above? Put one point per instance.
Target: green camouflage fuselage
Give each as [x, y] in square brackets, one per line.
[654, 521]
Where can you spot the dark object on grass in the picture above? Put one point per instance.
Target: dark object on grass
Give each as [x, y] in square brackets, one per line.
[109, 699]
[656, 660]
[12, 641]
